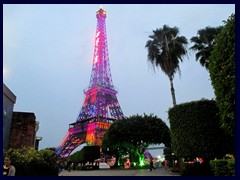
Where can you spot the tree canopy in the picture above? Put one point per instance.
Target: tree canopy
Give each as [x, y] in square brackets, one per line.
[135, 134]
[222, 73]
[204, 43]
[165, 50]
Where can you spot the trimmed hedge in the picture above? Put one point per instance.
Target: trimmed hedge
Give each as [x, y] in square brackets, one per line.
[197, 169]
[195, 130]
[222, 73]
[223, 167]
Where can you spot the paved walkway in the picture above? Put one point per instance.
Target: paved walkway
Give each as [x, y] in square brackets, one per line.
[120, 172]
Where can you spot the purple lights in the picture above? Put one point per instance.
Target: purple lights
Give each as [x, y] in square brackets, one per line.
[101, 96]
[100, 106]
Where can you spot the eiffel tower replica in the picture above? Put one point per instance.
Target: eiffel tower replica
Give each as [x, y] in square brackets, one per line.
[100, 107]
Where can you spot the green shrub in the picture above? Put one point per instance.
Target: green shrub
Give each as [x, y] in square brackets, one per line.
[231, 167]
[223, 167]
[195, 130]
[30, 162]
[197, 169]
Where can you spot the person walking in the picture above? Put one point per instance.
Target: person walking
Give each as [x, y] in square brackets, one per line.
[69, 166]
[8, 168]
[151, 164]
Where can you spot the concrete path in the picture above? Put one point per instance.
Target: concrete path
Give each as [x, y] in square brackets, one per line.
[120, 172]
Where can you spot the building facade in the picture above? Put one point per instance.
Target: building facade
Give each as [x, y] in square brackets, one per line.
[23, 130]
[9, 99]
[19, 128]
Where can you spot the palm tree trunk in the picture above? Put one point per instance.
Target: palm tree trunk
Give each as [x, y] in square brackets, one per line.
[172, 91]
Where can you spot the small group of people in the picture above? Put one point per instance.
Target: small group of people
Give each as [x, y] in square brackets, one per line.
[8, 168]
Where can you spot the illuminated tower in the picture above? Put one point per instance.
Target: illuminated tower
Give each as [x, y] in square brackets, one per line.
[100, 107]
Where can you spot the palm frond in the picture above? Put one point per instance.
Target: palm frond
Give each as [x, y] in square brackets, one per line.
[166, 49]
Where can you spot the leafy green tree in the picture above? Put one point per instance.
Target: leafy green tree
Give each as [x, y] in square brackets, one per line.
[134, 134]
[222, 73]
[165, 50]
[204, 43]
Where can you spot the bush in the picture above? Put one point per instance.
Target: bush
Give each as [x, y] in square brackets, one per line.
[223, 167]
[196, 132]
[197, 169]
[30, 162]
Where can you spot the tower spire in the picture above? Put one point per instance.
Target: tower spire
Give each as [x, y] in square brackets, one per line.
[101, 95]
[100, 106]
[101, 75]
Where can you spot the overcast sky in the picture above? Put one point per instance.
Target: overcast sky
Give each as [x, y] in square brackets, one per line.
[48, 53]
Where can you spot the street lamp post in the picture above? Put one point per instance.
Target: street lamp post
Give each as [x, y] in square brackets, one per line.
[173, 161]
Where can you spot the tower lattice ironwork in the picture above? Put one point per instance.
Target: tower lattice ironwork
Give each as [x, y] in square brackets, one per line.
[100, 107]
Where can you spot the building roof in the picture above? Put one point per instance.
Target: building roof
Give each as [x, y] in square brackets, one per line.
[8, 93]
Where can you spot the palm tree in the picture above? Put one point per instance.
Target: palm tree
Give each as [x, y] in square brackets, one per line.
[165, 50]
[204, 43]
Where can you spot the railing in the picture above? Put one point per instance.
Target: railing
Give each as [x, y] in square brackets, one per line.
[151, 148]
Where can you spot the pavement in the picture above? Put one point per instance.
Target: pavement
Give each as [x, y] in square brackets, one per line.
[106, 171]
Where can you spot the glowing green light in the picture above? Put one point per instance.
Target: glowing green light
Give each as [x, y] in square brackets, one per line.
[119, 162]
[141, 158]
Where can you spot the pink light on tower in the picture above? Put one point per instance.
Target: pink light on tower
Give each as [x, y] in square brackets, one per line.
[100, 106]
